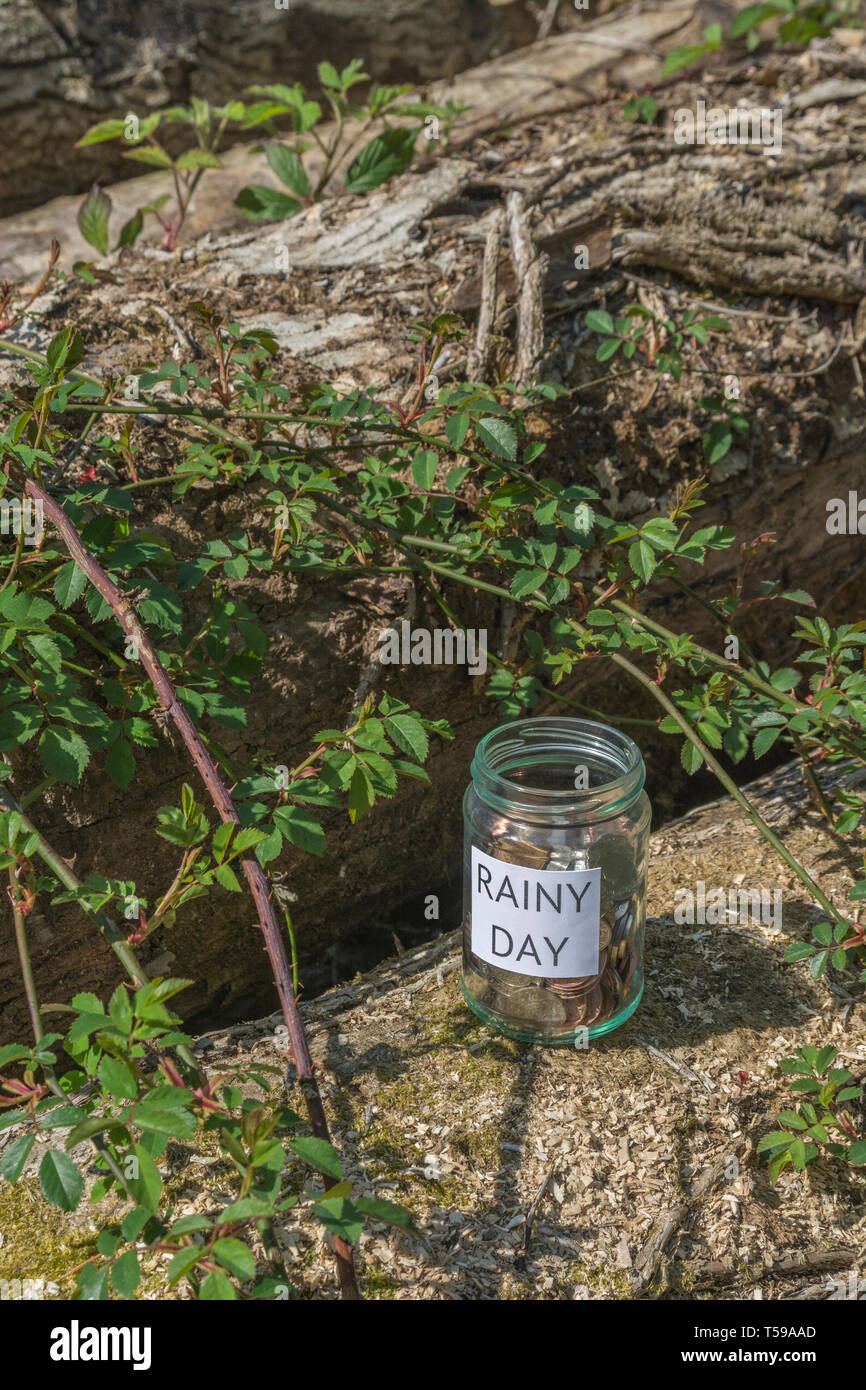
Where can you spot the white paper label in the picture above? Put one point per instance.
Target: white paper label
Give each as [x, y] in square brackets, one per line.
[535, 921]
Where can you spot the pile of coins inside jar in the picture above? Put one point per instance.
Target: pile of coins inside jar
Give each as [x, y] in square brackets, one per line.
[565, 1005]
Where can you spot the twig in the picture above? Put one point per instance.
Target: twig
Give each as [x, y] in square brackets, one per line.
[653, 1252]
[679, 1067]
[800, 1262]
[548, 19]
[24, 956]
[520, 1262]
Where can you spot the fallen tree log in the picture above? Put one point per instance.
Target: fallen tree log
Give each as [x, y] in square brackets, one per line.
[361, 270]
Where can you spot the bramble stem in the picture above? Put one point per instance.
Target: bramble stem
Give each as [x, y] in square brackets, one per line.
[255, 876]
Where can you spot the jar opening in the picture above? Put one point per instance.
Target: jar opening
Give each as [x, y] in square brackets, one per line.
[574, 768]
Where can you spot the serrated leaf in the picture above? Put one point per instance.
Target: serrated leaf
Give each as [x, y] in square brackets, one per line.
[300, 828]
[236, 1257]
[499, 437]
[456, 428]
[409, 734]
[216, 1287]
[288, 168]
[319, 1154]
[424, 465]
[259, 203]
[185, 1260]
[527, 581]
[93, 217]
[64, 754]
[69, 584]
[16, 1156]
[386, 156]
[599, 321]
[125, 1274]
[92, 1282]
[60, 1180]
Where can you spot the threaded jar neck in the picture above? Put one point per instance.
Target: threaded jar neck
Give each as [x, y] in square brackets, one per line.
[531, 766]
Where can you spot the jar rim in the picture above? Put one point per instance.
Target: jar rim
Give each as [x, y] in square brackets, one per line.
[558, 739]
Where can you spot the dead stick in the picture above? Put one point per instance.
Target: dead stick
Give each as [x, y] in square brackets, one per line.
[258, 883]
[714, 1272]
[520, 1262]
[530, 269]
[478, 358]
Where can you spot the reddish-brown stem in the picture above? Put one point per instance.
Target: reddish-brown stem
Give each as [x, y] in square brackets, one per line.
[255, 876]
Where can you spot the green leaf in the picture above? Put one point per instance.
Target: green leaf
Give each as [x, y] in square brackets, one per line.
[380, 1210]
[607, 349]
[717, 441]
[226, 876]
[236, 1257]
[329, 77]
[319, 1154]
[785, 679]
[764, 740]
[131, 230]
[424, 465]
[455, 429]
[134, 1223]
[599, 321]
[790, 1117]
[800, 950]
[341, 1217]
[691, 757]
[105, 130]
[527, 581]
[300, 828]
[125, 1274]
[120, 763]
[197, 159]
[780, 1138]
[69, 584]
[92, 1282]
[185, 1260]
[64, 754]
[383, 158]
[754, 15]
[409, 734]
[117, 1078]
[15, 1157]
[259, 204]
[857, 1152]
[146, 1187]
[60, 1180]
[642, 560]
[217, 1287]
[178, 1124]
[288, 168]
[93, 217]
[94, 1124]
[499, 437]
[153, 155]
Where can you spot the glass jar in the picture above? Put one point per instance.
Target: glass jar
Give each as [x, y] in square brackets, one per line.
[554, 904]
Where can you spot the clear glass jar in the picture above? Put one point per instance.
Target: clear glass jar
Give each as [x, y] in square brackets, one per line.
[554, 905]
